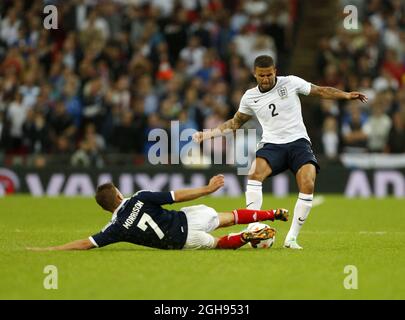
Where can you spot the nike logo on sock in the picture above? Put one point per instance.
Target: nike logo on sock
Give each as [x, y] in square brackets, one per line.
[249, 204]
[301, 220]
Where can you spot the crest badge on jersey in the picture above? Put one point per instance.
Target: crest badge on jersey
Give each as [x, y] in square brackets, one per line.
[282, 92]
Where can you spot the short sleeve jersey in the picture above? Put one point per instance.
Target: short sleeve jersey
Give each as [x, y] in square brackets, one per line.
[278, 110]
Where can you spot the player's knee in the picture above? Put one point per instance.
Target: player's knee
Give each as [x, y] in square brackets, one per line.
[257, 176]
[307, 186]
[215, 243]
[226, 219]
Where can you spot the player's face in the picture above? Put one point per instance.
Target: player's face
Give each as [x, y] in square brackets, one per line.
[265, 77]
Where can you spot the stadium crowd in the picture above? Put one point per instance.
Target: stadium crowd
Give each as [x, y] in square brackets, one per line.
[371, 60]
[115, 70]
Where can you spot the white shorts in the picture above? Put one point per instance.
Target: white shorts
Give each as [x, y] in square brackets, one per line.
[200, 220]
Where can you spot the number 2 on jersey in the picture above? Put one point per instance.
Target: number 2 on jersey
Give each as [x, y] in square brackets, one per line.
[272, 107]
[147, 219]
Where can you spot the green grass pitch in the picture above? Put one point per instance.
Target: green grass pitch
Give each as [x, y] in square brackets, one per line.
[369, 234]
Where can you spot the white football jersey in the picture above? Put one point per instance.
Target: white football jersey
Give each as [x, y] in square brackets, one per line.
[278, 110]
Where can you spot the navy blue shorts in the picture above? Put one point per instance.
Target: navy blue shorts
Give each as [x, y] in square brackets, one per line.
[291, 156]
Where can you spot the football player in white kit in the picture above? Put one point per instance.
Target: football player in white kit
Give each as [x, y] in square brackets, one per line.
[285, 143]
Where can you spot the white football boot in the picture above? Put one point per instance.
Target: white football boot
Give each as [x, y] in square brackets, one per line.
[291, 243]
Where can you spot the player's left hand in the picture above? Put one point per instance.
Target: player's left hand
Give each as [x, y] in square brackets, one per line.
[357, 95]
[216, 182]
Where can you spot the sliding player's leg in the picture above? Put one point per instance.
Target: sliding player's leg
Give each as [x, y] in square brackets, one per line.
[237, 240]
[202, 219]
[202, 240]
[245, 216]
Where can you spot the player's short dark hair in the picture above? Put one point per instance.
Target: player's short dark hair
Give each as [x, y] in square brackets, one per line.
[105, 196]
[263, 61]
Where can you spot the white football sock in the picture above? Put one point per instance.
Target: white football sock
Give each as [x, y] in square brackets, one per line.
[254, 195]
[301, 212]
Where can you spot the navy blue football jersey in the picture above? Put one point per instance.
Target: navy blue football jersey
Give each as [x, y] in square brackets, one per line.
[142, 220]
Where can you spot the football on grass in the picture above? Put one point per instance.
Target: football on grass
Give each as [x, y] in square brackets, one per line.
[263, 244]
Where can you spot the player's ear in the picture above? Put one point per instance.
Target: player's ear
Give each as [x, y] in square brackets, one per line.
[119, 195]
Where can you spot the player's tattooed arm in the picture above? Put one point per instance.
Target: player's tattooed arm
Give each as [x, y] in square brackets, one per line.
[333, 93]
[215, 183]
[229, 126]
[83, 244]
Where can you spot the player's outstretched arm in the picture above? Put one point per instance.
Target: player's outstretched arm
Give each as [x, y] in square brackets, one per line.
[333, 93]
[229, 126]
[215, 183]
[83, 244]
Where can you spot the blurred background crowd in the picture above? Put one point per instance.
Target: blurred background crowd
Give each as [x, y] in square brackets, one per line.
[115, 70]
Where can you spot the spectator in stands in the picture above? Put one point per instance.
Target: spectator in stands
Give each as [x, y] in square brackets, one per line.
[330, 138]
[16, 115]
[87, 155]
[125, 133]
[193, 55]
[377, 127]
[354, 137]
[145, 90]
[62, 129]
[94, 107]
[394, 66]
[36, 133]
[72, 102]
[9, 30]
[396, 137]
[208, 70]
[192, 104]
[29, 89]
[262, 45]
[90, 147]
[95, 26]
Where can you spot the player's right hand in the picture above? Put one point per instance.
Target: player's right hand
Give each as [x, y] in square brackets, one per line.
[216, 182]
[357, 96]
[198, 137]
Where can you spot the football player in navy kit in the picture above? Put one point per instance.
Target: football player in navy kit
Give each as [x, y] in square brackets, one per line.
[142, 220]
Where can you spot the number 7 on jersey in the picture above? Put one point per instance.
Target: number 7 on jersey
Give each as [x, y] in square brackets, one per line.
[147, 220]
